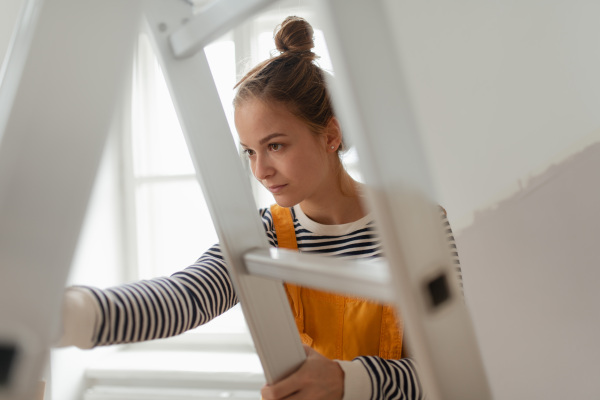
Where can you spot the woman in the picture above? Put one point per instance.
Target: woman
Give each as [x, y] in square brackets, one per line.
[292, 140]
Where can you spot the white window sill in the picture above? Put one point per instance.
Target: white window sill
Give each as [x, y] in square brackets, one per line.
[120, 393]
[172, 369]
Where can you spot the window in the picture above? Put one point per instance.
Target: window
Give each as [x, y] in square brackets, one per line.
[170, 226]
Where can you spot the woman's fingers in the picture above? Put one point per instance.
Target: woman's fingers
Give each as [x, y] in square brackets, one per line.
[317, 379]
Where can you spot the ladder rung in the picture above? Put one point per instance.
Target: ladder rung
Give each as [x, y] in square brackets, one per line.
[211, 23]
[368, 279]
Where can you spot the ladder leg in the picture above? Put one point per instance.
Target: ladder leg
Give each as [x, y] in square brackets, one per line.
[372, 99]
[62, 83]
[227, 191]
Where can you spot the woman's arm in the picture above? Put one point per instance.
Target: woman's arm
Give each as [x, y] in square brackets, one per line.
[148, 309]
[392, 379]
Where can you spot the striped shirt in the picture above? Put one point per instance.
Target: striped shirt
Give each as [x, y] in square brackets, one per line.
[167, 306]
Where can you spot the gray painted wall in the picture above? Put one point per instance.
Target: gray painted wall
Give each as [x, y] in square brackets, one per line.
[500, 90]
[532, 276]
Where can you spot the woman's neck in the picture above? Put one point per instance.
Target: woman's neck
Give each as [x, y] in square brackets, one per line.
[339, 205]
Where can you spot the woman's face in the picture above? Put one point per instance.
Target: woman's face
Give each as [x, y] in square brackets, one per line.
[285, 156]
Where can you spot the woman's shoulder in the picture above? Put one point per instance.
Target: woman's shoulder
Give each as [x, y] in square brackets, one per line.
[267, 221]
[266, 217]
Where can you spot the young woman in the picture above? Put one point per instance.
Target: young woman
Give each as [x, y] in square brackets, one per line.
[292, 139]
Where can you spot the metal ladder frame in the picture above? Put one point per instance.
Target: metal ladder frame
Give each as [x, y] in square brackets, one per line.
[374, 108]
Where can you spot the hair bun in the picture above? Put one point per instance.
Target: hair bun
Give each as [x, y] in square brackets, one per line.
[295, 35]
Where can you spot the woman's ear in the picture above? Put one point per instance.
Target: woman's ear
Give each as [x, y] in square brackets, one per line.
[333, 134]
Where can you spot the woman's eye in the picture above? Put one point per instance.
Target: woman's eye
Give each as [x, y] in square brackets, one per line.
[248, 152]
[275, 146]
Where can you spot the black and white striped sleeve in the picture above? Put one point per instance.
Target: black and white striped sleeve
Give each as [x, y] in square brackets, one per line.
[393, 379]
[163, 307]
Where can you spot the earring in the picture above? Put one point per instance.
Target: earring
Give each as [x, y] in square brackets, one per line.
[332, 147]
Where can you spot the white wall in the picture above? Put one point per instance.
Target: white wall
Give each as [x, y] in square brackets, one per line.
[507, 96]
[531, 279]
[500, 89]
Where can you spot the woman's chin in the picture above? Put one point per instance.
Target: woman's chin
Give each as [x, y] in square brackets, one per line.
[283, 201]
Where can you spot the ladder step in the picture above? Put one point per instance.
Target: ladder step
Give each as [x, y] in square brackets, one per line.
[210, 24]
[368, 279]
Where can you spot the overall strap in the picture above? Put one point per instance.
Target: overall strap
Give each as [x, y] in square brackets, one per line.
[286, 239]
[284, 227]
[338, 313]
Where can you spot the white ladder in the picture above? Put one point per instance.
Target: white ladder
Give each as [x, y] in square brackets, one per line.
[371, 98]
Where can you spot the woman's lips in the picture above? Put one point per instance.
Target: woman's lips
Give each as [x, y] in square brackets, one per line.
[276, 188]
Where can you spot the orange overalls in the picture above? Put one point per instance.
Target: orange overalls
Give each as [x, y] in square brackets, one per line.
[338, 327]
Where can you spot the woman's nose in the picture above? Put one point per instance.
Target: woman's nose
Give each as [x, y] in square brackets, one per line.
[262, 167]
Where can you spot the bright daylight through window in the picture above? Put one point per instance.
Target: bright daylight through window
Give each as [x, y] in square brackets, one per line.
[171, 225]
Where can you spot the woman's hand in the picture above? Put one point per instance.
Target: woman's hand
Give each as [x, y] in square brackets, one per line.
[318, 378]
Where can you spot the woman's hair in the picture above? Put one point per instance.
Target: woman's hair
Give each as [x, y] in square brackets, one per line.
[291, 77]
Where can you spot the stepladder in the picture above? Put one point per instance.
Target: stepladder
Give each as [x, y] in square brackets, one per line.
[417, 274]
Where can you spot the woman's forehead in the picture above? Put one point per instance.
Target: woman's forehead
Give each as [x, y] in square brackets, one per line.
[257, 118]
